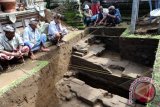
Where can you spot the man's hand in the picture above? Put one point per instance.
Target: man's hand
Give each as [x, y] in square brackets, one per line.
[99, 23]
[17, 54]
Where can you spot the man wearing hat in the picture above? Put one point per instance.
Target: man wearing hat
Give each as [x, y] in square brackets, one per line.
[56, 31]
[33, 39]
[11, 45]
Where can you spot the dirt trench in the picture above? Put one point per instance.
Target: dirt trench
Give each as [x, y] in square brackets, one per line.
[36, 88]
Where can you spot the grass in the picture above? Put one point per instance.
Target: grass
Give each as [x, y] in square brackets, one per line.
[156, 77]
[127, 34]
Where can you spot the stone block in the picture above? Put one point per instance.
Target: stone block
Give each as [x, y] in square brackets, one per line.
[113, 101]
[89, 94]
[78, 54]
[86, 93]
[77, 81]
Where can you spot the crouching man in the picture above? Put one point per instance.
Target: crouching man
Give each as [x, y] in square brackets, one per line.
[11, 46]
[56, 31]
[114, 16]
[33, 39]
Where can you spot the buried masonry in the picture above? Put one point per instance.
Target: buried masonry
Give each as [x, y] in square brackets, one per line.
[94, 67]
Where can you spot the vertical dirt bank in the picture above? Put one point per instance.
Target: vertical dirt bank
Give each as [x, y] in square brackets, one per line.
[38, 90]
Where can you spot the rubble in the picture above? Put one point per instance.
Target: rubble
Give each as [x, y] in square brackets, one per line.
[72, 88]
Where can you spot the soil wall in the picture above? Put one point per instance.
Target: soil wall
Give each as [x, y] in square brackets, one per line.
[39, 89]
[142, 51]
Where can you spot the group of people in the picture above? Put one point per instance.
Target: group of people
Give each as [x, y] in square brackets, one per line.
[101, 16]
[13, 47]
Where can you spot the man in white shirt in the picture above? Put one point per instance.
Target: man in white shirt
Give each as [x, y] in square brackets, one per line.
[11, 45]
[33, 39]
[56, 31]
[104, 12]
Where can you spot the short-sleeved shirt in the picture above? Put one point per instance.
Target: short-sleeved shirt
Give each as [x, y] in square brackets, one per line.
[118, 15]
[105, 12]
[10, 45]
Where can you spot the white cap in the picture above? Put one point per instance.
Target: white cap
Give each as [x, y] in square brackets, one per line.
[86, 7]
[8, 28]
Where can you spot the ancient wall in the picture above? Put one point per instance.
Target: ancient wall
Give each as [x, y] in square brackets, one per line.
[139, 50]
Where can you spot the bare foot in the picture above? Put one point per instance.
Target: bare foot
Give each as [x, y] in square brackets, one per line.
[33, 57]
[45, 49]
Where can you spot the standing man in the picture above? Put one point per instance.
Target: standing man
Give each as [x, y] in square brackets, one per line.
[11, 46]
[56, 31]
[33, 39]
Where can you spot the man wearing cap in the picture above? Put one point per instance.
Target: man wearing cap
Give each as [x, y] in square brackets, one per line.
[11, 45]
[56, 31]
[88, 16]
[33, 39]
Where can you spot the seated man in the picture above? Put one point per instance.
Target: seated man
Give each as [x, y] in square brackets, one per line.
[114, 16]
[101, 15]
[56, 31]
[33, 39]
[11, 46]
[88, 16]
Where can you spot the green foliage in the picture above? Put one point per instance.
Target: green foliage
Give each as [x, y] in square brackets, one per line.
[71, 5]
[74, 19]
[156, 77]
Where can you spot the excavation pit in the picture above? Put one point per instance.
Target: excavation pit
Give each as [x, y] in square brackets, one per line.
[102, 61]
[113, 62]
